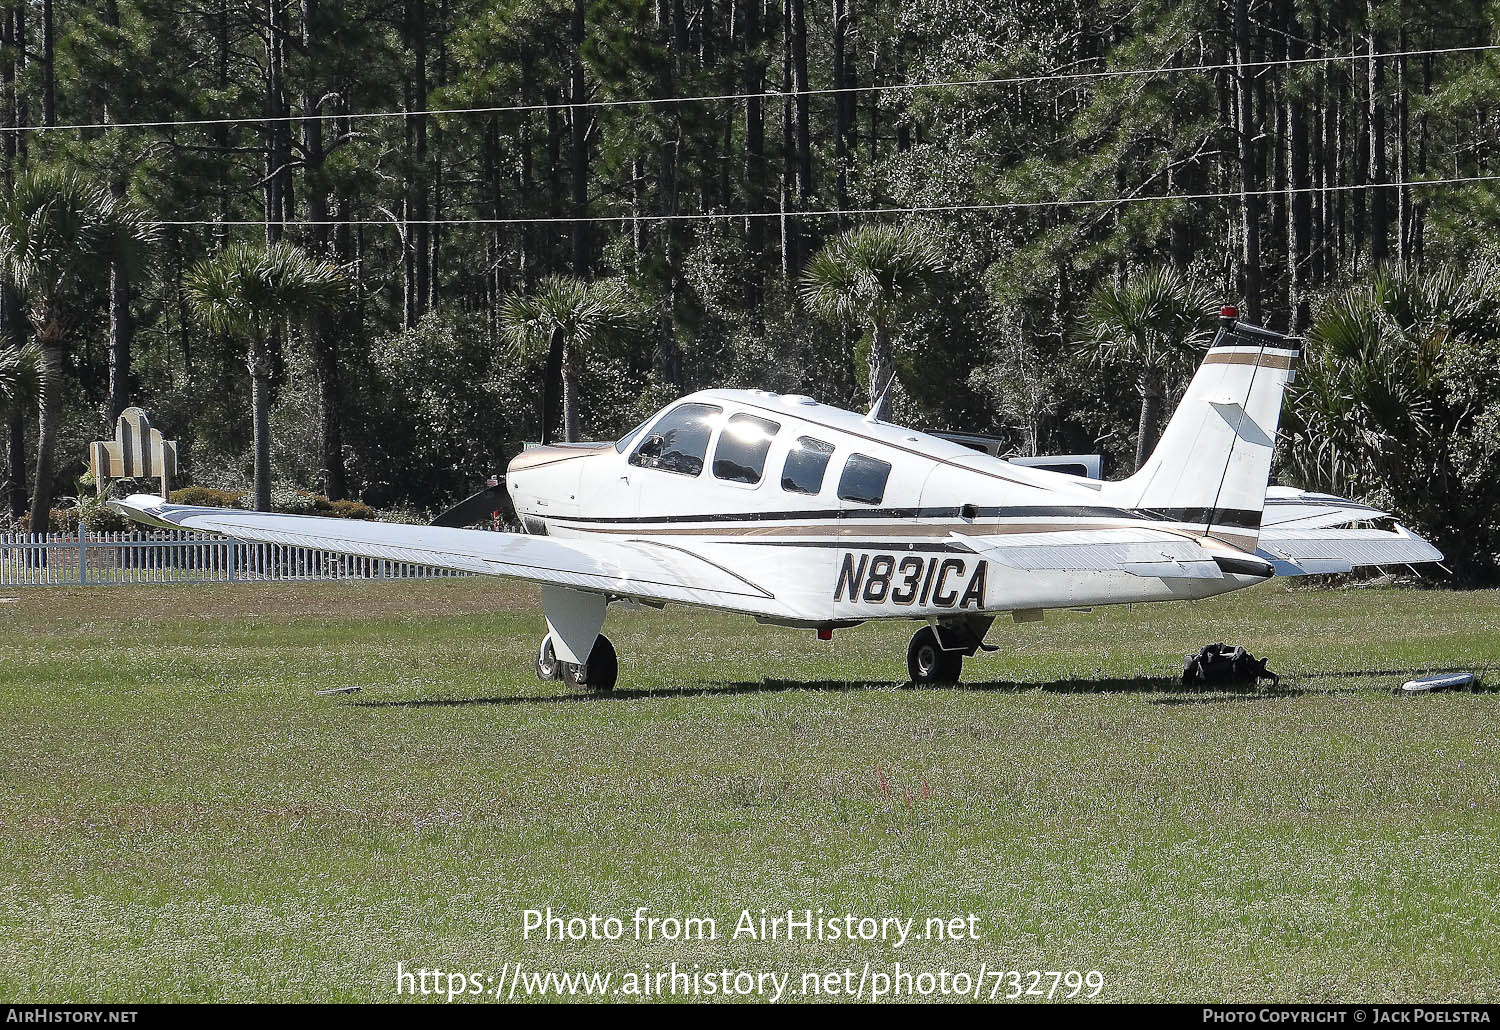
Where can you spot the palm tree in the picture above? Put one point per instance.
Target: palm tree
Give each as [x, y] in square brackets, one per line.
[1148, 325]
[59, 235]
[569, 320]
[251, 292]
[875, 274]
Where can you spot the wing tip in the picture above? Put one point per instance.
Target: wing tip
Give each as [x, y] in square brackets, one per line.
[143, 508]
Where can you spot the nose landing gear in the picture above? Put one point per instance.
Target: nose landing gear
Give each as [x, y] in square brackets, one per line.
[936, 653]
[598, 673]
[927, 663]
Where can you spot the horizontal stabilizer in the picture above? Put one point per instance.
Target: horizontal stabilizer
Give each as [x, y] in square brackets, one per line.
[1309, 534]
[1321, 550]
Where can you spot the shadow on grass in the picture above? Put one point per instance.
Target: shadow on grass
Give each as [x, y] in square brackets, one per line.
[1165, 685]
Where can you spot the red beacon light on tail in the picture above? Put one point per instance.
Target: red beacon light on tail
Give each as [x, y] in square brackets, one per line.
[1228, 313]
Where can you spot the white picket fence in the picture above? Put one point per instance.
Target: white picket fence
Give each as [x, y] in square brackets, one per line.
[90, 559]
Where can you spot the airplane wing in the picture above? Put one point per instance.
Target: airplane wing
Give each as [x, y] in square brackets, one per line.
[1140, 552]
[625, 568]
[1304, 534]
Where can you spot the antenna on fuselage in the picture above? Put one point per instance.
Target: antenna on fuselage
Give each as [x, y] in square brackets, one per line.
[874, 415]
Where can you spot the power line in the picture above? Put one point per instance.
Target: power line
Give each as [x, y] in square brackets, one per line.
[715, 216]
[1015, 80]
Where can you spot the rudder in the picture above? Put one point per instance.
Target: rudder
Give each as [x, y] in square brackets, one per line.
[1213, 461]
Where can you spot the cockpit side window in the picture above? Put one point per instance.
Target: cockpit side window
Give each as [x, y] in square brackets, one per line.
[805, 464]
[864, 479]
[740, 456]
[679, 440]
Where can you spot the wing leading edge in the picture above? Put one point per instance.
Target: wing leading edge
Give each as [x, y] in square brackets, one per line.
[635, 569]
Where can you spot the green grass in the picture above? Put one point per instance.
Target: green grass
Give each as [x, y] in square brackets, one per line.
[182, 817]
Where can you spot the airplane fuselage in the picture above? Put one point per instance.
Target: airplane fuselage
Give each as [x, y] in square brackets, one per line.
[843, 519]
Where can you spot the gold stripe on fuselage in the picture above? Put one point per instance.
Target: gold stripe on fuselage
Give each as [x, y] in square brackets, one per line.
[840, 530]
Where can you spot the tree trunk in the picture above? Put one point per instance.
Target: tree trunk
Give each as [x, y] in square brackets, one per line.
[1299, 201]
[417, 206]
[23, 98]
[799, 228]
[49, 82]
[121, 328]
[12, 321]
[259, 363]
[1380, 224]
[1249, 170]
[49, 410]
[330, 420]
[323, 328]
[569, 395]
[277, 155]
[881, 367]
[1359, 114]
[1403, 155]
[16, 465]
[121, 325]
[528, 255]
[842, 103]
[672, 25]
[755, 155]
[220, 133]
[580, 119]
[1149, 429]
[552, 372]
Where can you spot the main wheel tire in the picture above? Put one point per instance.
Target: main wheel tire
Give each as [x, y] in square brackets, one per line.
[598, 673]
[927, 663]
[547, 665]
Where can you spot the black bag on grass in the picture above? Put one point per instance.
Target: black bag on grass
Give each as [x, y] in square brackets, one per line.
[1225, 663]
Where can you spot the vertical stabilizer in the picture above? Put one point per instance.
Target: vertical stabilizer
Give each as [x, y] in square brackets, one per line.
[1213, 461]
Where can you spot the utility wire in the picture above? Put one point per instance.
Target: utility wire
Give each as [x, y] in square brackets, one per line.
[726, 216]
[1015, 80]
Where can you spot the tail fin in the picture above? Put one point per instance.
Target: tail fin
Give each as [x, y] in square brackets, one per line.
[1213, 462]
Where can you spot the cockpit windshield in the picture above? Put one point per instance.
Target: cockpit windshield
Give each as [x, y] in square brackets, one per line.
[623, 443]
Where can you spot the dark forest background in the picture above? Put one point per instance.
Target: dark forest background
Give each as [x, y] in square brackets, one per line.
[416, 385]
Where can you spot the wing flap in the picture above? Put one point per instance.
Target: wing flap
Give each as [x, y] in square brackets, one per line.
[1175, 569]
[624, 568]
[1141, 552]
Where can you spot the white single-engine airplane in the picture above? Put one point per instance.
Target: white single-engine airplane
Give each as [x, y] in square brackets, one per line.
[809, 516]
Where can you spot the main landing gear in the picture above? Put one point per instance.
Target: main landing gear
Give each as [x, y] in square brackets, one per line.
[598, 673]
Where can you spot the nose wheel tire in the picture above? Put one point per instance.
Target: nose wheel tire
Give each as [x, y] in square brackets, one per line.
[927, 663]
[598, 673]
[547, 665]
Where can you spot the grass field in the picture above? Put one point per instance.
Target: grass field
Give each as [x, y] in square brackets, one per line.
[183, 818]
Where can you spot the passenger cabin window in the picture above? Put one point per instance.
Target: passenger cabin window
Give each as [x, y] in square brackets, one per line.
[805, 464]
[863, 479]
[740, 456]
[679, 440]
